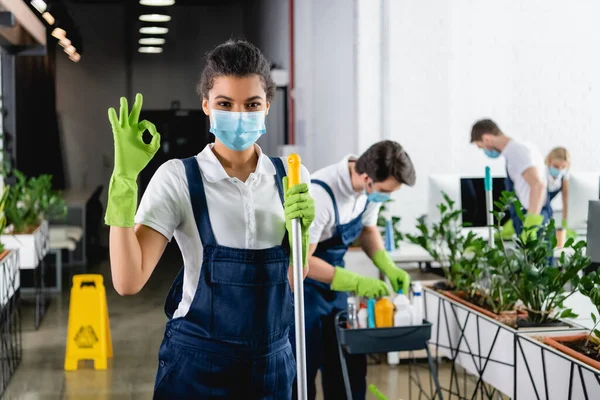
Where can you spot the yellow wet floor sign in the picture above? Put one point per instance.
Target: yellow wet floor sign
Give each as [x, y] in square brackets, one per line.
[88, 336]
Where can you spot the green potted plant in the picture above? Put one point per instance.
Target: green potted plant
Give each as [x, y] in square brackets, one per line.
[29, 205]
[584, 347]
[470, 266]
[538, 285]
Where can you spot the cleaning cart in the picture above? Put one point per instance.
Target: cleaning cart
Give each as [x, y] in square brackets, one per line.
[384, 340]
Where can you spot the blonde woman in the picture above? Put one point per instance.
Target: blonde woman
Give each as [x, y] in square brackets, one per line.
[558, 162]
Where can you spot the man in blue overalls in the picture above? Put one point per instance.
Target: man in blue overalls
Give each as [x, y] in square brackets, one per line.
[348, 196]
[525, 172]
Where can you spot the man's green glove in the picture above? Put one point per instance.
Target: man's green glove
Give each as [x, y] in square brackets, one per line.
[346, 281]
[399, 278]
[531, 226]
[299, 204]
[131, 157]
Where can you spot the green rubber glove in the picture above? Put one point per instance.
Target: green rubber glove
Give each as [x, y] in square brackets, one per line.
[299, 204]
[373, 389]
[507, 232]
[531, 225]
[399, 278]
[346, 281]
[131, 157]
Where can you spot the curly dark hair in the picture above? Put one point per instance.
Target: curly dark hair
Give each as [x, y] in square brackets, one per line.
[384, 159]
[236, 58]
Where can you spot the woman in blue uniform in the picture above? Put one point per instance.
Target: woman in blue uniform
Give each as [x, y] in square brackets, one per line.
[230, 308]
[559, 162]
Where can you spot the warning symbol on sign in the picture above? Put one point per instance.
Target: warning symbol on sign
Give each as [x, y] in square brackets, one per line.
[86, 337]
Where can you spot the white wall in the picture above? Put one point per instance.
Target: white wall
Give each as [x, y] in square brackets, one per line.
[531, 66]
[325, 94]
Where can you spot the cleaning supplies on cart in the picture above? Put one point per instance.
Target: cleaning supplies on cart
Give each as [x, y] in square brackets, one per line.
[402, 317]
[352, 313]
[371, 313]
[417, 304]
[384, 313]
[363, 316]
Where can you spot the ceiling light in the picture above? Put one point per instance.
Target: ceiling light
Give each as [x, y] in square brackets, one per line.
[75, 57]
[49, 18]
[64, 42]
[59, 33]
[154, 30]
[70, 50]
[155, 18]
[39, 5]
[150, 50]
[152, 41]
[157, 2]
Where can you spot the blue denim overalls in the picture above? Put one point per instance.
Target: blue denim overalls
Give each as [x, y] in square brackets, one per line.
[546, 211]
[321, 306]
[552, 195]
[234, 341]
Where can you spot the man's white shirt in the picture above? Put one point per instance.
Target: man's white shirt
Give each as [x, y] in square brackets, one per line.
[350, 203]
[520, 156]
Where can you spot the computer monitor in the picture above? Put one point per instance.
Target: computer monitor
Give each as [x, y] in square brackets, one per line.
[583, 187]
[438, 184]
[473, 200]
[593, 231]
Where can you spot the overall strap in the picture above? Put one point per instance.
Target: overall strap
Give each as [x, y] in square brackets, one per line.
[279, 174]
[330, 192]
[198, 199]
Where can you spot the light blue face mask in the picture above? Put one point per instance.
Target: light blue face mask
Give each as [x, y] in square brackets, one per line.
[491, 153]
[237, 130]
[555, 172]
[376, 197]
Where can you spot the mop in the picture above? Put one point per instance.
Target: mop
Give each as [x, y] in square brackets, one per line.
[294, 179]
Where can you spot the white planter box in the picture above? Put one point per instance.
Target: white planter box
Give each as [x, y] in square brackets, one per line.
[32, 247]
[481, 345]
[545, 373]
[9, 276]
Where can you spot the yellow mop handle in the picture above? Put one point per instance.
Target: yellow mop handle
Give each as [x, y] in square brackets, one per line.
[293, 172]
[297, 264]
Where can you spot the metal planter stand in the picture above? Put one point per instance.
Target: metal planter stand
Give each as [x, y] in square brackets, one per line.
[548, 374]
[483, 347]
[11, 349]
[384, 340]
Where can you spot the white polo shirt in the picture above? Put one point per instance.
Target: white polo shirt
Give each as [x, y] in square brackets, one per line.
[350, 204]
[243, 215]
[520, 156]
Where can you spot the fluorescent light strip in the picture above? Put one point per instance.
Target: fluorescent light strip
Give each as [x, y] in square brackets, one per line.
[157, 2]
[150, 50]
[152, 41]
[64, 42]
[154, 30]
[59, 33]
[49, 18]
[155, 18]
[39, 5]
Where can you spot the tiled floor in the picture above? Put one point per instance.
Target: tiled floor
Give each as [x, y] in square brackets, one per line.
[137, 325]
